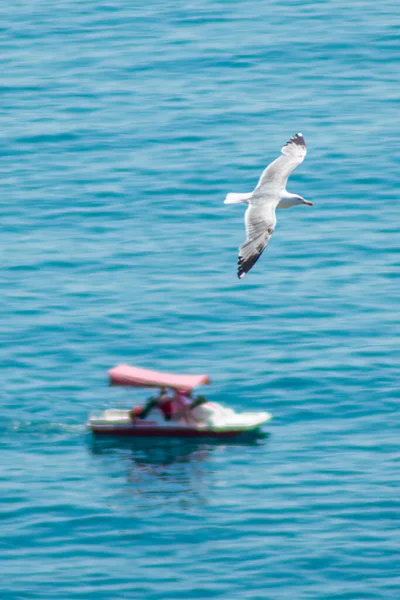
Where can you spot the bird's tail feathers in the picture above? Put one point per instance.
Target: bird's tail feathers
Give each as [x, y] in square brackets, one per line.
[234, 198]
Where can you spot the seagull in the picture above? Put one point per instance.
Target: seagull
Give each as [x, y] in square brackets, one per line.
[269, 194]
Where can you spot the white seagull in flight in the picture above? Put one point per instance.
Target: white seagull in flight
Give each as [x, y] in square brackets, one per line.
[269, 194]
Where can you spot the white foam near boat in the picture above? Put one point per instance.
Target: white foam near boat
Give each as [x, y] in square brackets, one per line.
[209, 419]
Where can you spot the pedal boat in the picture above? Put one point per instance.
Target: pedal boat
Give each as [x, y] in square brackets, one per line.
[208, 419]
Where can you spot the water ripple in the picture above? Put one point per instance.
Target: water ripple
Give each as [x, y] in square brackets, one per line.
[123, 128]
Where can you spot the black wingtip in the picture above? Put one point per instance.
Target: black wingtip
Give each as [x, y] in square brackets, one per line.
[244, 266]
[298, 139]
[295, 144]
[241, 273]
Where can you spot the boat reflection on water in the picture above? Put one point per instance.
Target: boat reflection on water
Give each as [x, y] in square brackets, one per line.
[167, 468]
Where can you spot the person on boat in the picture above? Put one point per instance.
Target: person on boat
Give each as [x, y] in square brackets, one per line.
[198, 401]
[163, 401]
[173, 408]
[165, 404]
[181, 403]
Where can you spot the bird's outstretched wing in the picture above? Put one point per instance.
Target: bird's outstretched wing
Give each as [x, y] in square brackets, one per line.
[260, 224]
[275, 176]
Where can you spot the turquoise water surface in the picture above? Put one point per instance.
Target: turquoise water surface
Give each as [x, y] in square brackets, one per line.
[123, 126]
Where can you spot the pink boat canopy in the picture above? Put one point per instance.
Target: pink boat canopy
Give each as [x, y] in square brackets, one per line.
[137, 377]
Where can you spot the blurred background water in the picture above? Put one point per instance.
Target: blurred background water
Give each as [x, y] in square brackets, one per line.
[123, 126]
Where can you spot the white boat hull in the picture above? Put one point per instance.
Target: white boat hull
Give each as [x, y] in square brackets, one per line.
[208, 420]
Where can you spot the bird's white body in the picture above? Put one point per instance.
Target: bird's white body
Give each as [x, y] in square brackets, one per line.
[287, 200]
[269, 194]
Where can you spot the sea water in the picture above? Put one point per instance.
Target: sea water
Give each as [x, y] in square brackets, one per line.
[123, 127]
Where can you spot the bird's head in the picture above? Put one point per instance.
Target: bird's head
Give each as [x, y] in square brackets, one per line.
[292, 200]
[301, 200]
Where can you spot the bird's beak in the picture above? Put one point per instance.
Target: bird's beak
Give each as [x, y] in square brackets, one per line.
[308, 202]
